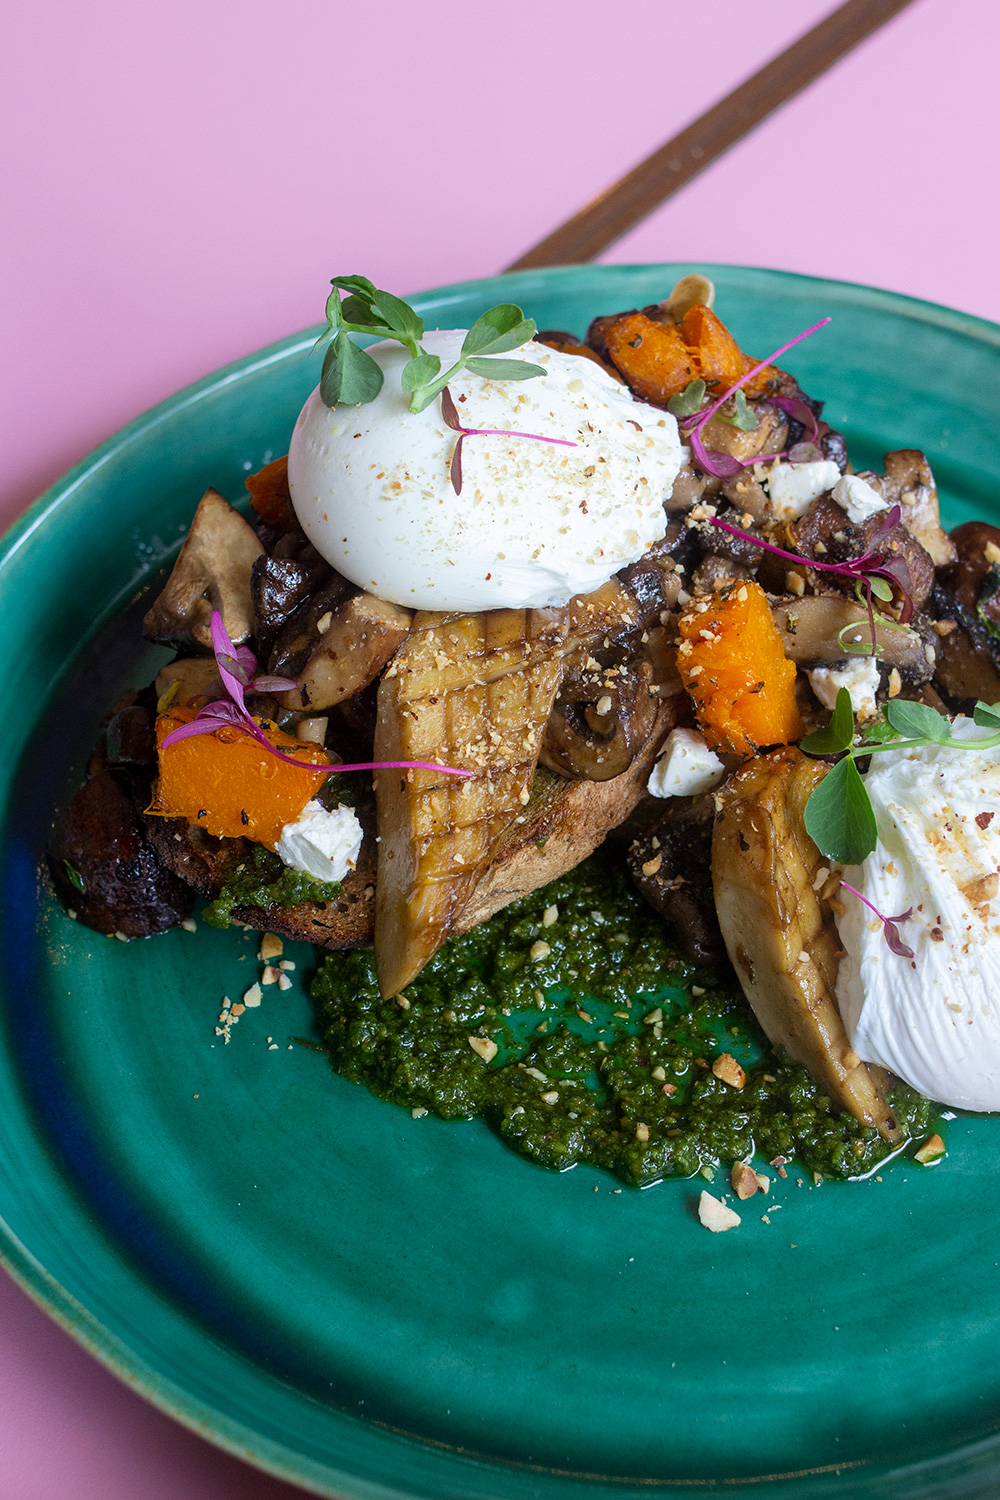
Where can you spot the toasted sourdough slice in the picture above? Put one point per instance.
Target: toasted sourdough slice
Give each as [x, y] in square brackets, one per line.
[563, 822]
[473, 691]
[207, 863]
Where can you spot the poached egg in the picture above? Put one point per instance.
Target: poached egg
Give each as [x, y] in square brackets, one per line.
[934, 1020]
[536, 522]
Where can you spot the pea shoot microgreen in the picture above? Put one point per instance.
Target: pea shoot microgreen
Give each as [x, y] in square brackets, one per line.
[839, 816]
[353, 378]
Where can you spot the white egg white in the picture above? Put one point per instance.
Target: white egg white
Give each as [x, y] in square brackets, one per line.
[933, 1019]
[535, 522]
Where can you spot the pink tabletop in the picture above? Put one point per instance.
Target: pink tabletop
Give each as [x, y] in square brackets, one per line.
[182, 180]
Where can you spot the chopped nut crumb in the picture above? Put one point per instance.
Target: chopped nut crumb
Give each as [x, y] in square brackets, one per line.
[284, 983]
[539, 951]
[269, 976]
[716, 1215]
[189, 924]
[729, 1071]
[895, 683]
[550, 915]
[651, 867]
[253, 996]
[417, 1113]
[933, 1148]
[743, 1179]
[763, 1182]
[485, 1046]
[271, 946]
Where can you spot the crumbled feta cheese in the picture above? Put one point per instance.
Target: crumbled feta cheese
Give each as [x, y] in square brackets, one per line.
[686, 766]
[859, 676]
[794, 487]
[858, 498]
[322, 843]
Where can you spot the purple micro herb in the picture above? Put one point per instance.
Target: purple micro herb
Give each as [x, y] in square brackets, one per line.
[450, 413]
[237, 668]
[872, 564]
[724, 465]
[889, 930]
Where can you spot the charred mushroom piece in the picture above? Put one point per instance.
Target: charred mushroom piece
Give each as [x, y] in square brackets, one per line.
[769, 436]
[909, 483]
[195, 676]
[354, 645]
[600, 721]
[817, 629]
[562, 823]
[671, 865]
[781, 936]
[301, 632]
[279, 584]
[105, 867]
[212, 572]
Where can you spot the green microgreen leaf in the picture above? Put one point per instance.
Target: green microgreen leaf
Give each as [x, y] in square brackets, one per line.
[917, 721]
[838, 734]
[839, 817]
[881, 589]
[400, 317]
[349, 374]
[503, 369]
[357, 310]
[501, 328]
[853, 647]
[419, 371]
[75, 878]
[689, 400]
[359, 284]
[743, 417]
[880, 732]
[986, 715]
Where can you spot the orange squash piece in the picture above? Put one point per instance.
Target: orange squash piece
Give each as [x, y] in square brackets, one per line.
[228, 784]
[659, 359]
[652, 356]
[270, 495]
[732, 662]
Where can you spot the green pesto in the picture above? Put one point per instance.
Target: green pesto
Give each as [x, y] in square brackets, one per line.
[263, 880]
[587, 1036]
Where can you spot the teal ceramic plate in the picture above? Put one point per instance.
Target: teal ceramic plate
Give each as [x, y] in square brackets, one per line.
[374, 1305]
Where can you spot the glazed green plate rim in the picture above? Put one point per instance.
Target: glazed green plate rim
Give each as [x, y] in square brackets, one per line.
[19, 1260]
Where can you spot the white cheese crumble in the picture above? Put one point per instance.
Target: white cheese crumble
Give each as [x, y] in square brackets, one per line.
[322, 843]
[859, 676]
[933, 1019]
[686, 766]
[858, 498]
[794, 487]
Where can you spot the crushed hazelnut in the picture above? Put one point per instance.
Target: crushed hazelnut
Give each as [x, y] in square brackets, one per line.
[744, 1180]
[729, 1071]
[716, 1215]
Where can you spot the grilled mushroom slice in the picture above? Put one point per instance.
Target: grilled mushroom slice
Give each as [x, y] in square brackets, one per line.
[781, 936]
[212, 572]
[356, 641]
[671, 865]
[601, 719]
[814, 628]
